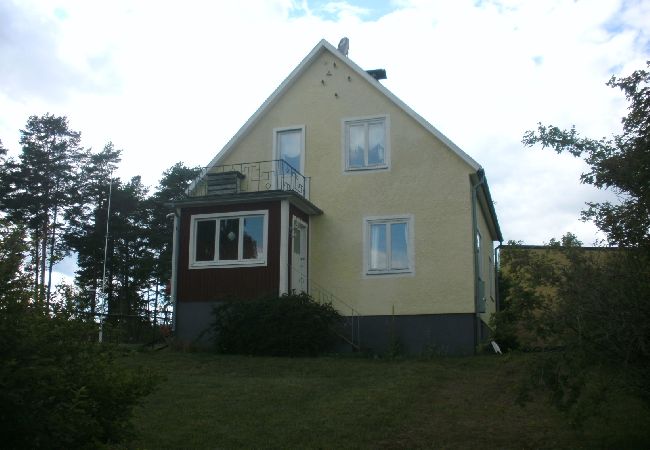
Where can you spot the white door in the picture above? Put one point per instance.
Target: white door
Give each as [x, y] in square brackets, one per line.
[299, 256]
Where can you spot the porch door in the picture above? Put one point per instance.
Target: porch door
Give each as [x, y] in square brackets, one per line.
[299, 256]
[289, 149]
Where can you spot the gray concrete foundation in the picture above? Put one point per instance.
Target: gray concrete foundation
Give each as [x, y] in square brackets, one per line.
[193, 322]
[444, 334]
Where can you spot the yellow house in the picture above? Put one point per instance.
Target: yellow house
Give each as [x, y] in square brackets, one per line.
[337, 188]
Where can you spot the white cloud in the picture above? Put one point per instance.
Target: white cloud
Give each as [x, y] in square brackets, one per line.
[165, 80]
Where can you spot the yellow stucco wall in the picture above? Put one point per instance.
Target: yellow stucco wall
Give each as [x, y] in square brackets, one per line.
[425, 180]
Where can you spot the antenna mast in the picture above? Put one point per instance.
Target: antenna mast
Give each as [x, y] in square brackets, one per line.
[108, 218]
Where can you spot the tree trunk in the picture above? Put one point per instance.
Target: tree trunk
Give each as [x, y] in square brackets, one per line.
[43, 258]
[93, 300]
[51, 261]
[36, 262]
[155, 305]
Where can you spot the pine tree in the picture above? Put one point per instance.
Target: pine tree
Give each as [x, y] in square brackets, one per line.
[46, 185]
[88, 223]
[172, 186]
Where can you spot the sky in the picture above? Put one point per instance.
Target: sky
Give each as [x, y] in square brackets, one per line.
[170, 81]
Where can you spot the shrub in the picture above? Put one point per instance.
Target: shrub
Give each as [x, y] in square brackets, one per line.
[289, 325]
[58, 388]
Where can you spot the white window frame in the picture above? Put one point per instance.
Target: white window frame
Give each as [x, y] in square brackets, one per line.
[345, 125]
[262, 261]
[276, 149]
[410, 250]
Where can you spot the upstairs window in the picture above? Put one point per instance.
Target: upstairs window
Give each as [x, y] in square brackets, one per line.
[388, 245]
[366, 143]
[228, 239]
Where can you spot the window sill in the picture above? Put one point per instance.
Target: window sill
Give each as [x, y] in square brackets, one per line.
[226, 265]
[389, 273]
[367, 169]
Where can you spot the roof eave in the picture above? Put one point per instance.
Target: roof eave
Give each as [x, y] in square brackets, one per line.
[486, 202]
[249, 197]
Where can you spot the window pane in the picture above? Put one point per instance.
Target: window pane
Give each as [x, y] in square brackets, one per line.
[289, 147]
[376, 144]
[253, 237]
[398, 246]
[228, 239]
[205, 237]
[356, 145]
[378, 258]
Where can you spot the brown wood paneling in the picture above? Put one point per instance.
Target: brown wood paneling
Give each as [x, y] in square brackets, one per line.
[212, 284]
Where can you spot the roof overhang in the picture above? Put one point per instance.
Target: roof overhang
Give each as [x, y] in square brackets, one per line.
[250, 197]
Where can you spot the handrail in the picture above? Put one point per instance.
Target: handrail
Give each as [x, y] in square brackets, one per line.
[324, 296]
[258, 176]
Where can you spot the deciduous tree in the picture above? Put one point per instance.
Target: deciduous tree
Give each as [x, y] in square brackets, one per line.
[620, 163]
[600, 311]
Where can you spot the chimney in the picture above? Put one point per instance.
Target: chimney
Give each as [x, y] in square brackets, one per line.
[377, 74]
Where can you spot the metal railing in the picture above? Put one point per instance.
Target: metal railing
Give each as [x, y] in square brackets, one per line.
[351, 330]
[272, 175]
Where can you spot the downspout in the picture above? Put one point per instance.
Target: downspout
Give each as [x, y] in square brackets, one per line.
[173, 299]
[497, 264]
[477, 319]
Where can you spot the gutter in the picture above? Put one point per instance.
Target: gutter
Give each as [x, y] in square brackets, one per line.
[483, 186]
[497, 265]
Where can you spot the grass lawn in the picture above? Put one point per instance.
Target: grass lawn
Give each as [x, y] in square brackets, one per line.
[216, 401]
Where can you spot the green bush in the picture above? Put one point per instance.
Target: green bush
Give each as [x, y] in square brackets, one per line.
[289, 325]
[58, 387]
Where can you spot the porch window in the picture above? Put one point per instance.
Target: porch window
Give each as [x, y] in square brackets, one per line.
[366, 143]
[228, 239]
[388, 245]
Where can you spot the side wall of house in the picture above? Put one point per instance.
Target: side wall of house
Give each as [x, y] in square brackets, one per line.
[426, 181]
[199, 290]
[210, 284]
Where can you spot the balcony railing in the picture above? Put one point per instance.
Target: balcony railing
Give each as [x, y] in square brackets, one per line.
[274, 175]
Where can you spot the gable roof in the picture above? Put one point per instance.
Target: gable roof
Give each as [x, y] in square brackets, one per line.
[321, 47]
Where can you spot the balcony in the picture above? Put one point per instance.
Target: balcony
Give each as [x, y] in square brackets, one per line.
[260, 176]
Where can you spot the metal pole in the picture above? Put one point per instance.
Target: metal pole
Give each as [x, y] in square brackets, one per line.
[108, 217]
